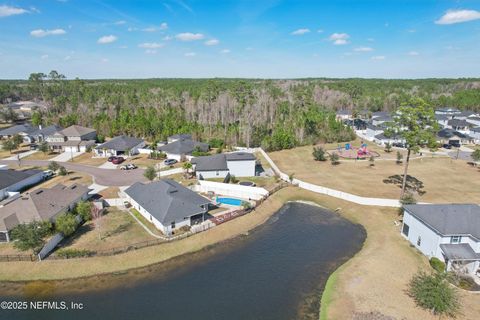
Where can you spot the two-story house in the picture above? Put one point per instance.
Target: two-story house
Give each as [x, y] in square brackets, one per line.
[72, 139]
[449, 232]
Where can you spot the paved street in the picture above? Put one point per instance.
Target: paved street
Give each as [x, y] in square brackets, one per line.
[105, 177]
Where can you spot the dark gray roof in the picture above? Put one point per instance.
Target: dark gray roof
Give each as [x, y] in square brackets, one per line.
[47, 131]
[120, 143]
[448, 109]
[381, 114]
[27, 128]
[460, 251]
[449, 219]
[442, 117]
[382, 136]
[217, 162]
[10, 177]
[458, 123]
[183, 146]
[465, 113]
[373, 127]
[167, 200]
[240, 156]
[181, 136]
[476, 129]
[448, 133]
[383, 118]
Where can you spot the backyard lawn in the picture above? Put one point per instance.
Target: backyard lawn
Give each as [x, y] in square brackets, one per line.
[142, 161]
[445, 180]
[7, 154]
[115, 229]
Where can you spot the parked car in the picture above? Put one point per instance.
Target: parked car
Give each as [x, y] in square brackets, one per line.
[129, 166]
[447, 146]
[118, 160]
[48, 174]
[33, 147]
[110, 159]
[455, 144]
[398, 145]
[169, 162]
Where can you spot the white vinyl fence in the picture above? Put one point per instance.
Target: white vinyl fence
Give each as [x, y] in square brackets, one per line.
[331, 192]
[232, 190]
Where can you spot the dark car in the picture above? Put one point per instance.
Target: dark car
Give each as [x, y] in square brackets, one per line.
[118, 160]
[110, 159]
[33, 147]
[398, 145]
[455, 144]
[447, 146]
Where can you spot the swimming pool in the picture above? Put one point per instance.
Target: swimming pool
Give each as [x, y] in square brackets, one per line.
[230, 201]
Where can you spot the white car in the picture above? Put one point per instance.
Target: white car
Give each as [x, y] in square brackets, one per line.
[48, 174]
[129, 166]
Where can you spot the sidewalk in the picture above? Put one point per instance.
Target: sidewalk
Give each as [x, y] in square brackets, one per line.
[21, 155]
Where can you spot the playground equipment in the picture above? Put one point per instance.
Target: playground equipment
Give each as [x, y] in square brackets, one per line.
[350, 152]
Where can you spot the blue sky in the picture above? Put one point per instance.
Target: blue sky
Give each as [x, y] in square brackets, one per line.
[261, 39]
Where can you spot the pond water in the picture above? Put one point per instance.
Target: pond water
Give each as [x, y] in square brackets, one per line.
[277, 271]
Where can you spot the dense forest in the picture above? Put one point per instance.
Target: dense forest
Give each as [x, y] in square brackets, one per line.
[275, 114]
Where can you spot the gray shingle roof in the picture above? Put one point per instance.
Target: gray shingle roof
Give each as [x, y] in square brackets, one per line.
[167, 200]
[47, 131]
[240, 156]
[183, 146]
[181, 136]
[460, 251]
[458, 123]
[19, 128]
[449, 219]
[449, 133]
[10, 177]
[76, 131]
[217, 162]
[441, 117]
[476, 129]
[120, 143]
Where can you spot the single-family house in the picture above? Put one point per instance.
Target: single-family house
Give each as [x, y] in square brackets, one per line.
[23, 130]
[448, 111]
[182, 149]
[15, 180]
[180, 136]
[72, 139]
[167, 204]
[449, 232]
[442, 119]
[238, 164]
[475, 121]
[461, 126]
[120, 145]
[450, 136]
[39, 205]
[475, 134]
[383, 139]
[344, 114]
[463, 115]
[42, 133]
[379, 120]
[372, 131]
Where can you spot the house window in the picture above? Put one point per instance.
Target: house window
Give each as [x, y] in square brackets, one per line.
[217, 173]
[173, 225]
[419, 241]
[405, 229]
[455, 239]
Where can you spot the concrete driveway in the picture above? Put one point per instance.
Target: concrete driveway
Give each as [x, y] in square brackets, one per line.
[104, 177]
[65, 156]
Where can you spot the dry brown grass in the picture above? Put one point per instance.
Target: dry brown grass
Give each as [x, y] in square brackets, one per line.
[86, 158]
[116, 228]
[6, 154]
[142, 161]
[71, 178]
[110, 192]
[373, 280]
[41, 156]
[445, 180]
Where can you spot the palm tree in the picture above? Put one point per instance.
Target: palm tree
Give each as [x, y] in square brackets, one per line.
[187, 166]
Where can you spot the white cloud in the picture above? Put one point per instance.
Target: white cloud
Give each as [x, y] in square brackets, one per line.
[339, 38]
[150, 51]
[164, 26]
[40, 33]
[167, 38]
[363, 49]
[413, 53]
[378, 58]
[190, 54]
[211, 42]
[151, 45]
[6, 11]
[107, 39]
[149, 29]
[458, 16]
[67, 58]
[119, 23]
[320, 30]
[300, 32]
[188, 36]
[225, 51]
[44, 57]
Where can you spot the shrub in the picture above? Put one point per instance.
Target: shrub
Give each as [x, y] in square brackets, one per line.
[30, 235]
[434, 293]
[437, 264]
[62, 171]
[66, 224]
[84, 210]
[399, 157]
[216, 143]
[408, 198]
[319, 154]
[388, 147]
[74, 253]
[54, 166]
[233, 179]
[334, 158]
[150, 173]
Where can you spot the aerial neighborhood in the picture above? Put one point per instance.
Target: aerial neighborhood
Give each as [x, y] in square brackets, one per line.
[71, 191]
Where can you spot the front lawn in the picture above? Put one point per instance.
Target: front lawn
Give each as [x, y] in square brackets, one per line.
[87, 159]
[41, 156]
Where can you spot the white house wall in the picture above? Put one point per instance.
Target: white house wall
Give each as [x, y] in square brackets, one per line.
[242, 168]
[430, 240]
[22, 184]
[212, 174]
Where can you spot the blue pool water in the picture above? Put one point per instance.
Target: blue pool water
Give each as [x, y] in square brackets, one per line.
[230, 201]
